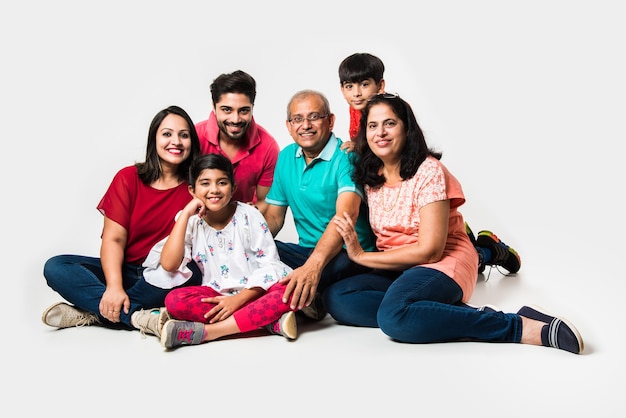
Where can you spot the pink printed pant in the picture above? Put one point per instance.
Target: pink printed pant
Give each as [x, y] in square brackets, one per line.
[185, 303]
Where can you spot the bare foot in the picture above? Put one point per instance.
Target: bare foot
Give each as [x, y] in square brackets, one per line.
[531, 331]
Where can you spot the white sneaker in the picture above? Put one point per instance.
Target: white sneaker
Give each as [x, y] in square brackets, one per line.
[150, 321]
[62, 315]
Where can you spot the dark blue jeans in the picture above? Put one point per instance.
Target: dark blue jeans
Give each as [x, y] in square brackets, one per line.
[80, 281]
[419, 305]
[338, 268]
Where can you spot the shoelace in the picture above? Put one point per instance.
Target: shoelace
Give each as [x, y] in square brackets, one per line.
[83, 320]
[78, 319]
[503, 272]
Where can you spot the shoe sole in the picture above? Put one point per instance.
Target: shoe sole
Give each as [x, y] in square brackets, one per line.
[289, 326]
[164, 316]
[543, 317]
[165, 333]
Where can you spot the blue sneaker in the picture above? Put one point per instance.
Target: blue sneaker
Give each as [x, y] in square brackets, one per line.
[558, 332]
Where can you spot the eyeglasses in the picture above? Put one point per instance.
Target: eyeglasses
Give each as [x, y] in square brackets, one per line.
[384, 96]
[299, 120]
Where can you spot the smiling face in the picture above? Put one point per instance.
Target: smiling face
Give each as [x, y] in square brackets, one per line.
[311, 135]
[356, 94]
[234, 114]
[214, 188]
[385, 133]
[173, 140]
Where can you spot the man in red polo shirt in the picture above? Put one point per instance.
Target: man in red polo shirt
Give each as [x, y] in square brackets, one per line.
[231, 130]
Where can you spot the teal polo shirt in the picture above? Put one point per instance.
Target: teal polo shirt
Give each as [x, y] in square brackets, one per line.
[311, 191]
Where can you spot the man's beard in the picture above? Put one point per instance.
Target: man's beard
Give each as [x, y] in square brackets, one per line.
[239, 135]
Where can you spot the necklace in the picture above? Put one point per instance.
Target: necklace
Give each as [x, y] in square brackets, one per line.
[388, 208]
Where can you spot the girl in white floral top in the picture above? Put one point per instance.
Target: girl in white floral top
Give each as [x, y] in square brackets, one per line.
[233, 247]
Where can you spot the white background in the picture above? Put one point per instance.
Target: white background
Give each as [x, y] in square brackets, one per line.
[525, 99]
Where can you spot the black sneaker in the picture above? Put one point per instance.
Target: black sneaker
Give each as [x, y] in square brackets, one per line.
[316, 310]
[501, 254]
[470, 233]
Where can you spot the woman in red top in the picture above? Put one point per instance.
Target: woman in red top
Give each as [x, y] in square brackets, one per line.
[139, 208]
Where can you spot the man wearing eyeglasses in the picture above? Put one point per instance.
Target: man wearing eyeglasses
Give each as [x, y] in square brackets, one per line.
[232, 131]
[313, 177]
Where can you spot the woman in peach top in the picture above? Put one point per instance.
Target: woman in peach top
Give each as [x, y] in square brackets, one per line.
[425, 268]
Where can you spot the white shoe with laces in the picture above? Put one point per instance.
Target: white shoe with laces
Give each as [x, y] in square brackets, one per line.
[62, 315]
[150, 321]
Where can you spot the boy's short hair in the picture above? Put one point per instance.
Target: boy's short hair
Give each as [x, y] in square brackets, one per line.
[361, 66]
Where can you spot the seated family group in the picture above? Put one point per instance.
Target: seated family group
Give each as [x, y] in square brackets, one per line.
[188, 249]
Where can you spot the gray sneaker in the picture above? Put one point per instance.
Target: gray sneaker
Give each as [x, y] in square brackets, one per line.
[62, 315]
[151, 321]
[177, 333]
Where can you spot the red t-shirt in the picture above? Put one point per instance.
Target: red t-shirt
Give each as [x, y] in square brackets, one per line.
[255, 161]
[355, 120]
[145, 212]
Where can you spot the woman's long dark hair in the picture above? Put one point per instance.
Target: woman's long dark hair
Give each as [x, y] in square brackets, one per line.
[367, 164]
[150, 170]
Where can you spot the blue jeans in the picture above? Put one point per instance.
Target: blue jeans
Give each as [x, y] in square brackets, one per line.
[80, 281]
[419, 305]
[338, 268]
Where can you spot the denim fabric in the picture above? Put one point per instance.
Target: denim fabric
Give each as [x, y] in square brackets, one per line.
[419, 305]
[80, 281]
[338, 268]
